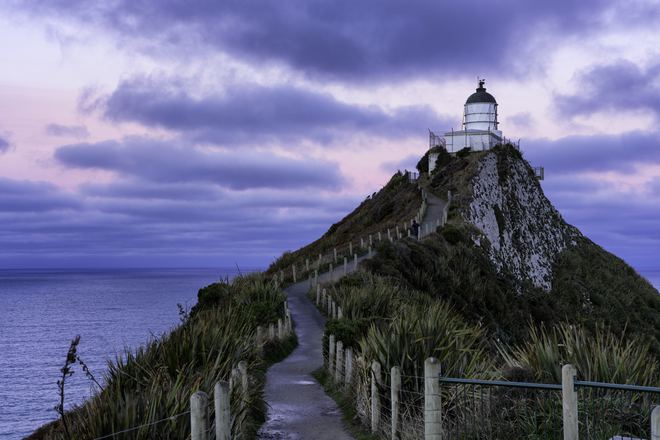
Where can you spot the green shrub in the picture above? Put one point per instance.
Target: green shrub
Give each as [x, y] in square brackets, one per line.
[453, 234]
[597, 355]
[463, 152]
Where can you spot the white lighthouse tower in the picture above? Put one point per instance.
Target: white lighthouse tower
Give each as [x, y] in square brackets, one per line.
[480, 126]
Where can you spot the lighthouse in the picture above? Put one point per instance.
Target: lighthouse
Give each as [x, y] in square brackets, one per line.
[480, 126]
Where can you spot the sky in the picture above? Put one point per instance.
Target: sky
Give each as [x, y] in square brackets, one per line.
[139, 133]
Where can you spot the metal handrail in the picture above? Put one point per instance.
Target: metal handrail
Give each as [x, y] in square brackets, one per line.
[614, 386]
[495, 383]
[550, 386]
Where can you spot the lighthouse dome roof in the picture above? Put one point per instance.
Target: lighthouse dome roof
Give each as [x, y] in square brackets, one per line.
[481, 95]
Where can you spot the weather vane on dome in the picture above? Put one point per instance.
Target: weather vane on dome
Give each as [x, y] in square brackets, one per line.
[481, 81]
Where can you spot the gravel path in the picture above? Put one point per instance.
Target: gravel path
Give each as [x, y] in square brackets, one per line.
[298, 406]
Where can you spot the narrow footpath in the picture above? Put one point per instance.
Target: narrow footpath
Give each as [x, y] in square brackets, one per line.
[434, 211]
[298, 408]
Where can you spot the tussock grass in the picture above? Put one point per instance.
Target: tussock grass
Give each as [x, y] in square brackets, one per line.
[156, 381]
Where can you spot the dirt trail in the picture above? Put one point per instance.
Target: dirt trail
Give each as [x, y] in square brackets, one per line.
[298, 406]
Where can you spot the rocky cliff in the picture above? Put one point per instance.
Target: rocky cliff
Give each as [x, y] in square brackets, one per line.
[525, 233]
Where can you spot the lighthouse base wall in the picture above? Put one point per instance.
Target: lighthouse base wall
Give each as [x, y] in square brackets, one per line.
[473, 139]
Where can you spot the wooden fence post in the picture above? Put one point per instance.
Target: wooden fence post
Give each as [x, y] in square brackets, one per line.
[361, 243]
[334, 250]
[260, 335]
[307, 264]
[222, 411]
[655, 423]
[375, 397]
[318, 294]
[339, 363]
[348, 369]
[280, 329]
[354, 261]
[569, 402]
[331, 274]
[234, 377]
[271, 331]
[350, 248]
[199, 416]
[242, 368]
[371, 240]
[288, 326]
[345, 265]
[395, 387]
[331, 354]
[370, 251]
[334, 309]
[316, 277]
[340, 314]
[294, 273]
[380, 237]
[432, 402]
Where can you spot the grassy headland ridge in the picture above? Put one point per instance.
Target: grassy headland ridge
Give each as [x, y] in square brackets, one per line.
[505, 289]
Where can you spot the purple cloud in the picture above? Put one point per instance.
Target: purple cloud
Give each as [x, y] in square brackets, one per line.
[249, 113]
[621, 85]
[76, 131]
[27, 196]
[624, 222]
[407, 163]
[575, 154]
[522, 120]
[135, 223]
[4, 145]
[340, 40]
[178, 162]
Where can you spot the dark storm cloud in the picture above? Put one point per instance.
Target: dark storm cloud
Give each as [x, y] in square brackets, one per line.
[341, 39]
[249, 113]
[621, 85]
[76, 131]
[171, 162]
[597, 153]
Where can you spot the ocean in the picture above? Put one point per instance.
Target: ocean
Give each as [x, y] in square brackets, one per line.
[42, 310]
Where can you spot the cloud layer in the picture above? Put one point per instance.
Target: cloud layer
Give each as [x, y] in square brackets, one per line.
[341, 40]
[617, 86]
[250, 114]
[174, 161]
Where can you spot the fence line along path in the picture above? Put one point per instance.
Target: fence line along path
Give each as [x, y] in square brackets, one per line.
[298, 407]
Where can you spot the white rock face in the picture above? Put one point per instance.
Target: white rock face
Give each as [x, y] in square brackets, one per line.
[525, 231]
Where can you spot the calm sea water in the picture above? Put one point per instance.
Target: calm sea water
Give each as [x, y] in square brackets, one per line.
[42, 310]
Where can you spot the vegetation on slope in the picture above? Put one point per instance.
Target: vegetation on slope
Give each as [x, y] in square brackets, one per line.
[156, 382]
[397, 202]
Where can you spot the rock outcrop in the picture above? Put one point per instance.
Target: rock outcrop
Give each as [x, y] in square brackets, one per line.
[525, 232]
